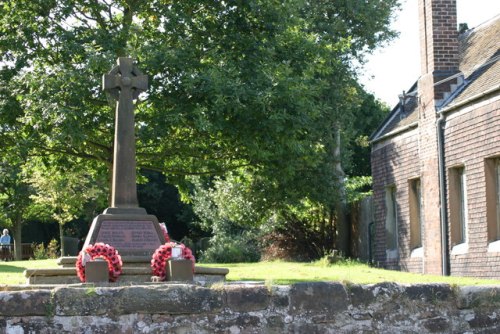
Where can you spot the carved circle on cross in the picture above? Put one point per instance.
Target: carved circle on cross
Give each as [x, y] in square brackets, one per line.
[125, 81]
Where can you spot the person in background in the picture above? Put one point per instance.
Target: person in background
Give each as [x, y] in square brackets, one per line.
[5, 245]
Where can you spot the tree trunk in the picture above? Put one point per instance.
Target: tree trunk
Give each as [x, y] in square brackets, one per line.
[342, 229]
[18, 250]
[61, 236]
[342, 223]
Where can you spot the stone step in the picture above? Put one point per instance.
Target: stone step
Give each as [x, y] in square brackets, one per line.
[140, 274]
[128, 261]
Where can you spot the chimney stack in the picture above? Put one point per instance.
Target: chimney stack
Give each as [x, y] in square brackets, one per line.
[438, 44]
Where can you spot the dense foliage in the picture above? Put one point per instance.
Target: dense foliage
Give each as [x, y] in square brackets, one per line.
[258, 89]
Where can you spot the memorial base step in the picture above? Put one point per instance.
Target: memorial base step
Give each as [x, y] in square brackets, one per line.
[134, 270]
[128, 261]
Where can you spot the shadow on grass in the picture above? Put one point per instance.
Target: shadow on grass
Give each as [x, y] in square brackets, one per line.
[5, 268]
[280, 281]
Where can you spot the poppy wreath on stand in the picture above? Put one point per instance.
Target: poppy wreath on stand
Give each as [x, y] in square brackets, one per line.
[100, 251]
[164, 253]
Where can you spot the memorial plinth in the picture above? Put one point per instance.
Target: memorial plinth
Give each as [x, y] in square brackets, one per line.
[136, 269]
[130, 234]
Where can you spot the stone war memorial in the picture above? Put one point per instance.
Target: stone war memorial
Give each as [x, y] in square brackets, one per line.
[125, 227]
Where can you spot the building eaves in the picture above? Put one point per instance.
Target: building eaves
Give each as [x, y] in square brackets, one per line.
[405, 113]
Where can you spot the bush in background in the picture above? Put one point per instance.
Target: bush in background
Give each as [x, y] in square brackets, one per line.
[40, 252]
[231, 249]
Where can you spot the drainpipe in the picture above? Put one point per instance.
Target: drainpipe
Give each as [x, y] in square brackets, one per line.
[445, 256]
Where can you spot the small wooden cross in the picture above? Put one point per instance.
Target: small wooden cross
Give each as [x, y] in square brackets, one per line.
[124, 82]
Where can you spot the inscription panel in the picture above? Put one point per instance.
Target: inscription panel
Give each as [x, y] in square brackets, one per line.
[129, 235]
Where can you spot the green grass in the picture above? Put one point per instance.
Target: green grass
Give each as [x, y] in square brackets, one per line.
[347, 272]
[12, 272]
[353, 272]
[281, 273]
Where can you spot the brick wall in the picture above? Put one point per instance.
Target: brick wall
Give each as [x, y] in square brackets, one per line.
[471, 136]
[430, 176]
[439, 60]
[394, 162]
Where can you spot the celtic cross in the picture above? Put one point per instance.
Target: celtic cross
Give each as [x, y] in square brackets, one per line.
[124, 83]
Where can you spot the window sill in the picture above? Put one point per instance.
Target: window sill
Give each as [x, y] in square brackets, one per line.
[417, 252]
[494, 247]
[391, 254]
[459, 249]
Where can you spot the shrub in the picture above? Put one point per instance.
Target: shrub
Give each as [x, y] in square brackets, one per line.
[294, 240]
[40, 252]
[231, 249]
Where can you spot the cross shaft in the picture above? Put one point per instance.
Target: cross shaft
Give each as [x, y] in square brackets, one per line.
[124, 83]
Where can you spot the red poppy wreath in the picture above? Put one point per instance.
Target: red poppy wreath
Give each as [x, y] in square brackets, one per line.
[103, 251]
[163, 253]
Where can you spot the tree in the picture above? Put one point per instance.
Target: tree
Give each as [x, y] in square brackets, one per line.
[369, 116]
[15, 198]
[303, 224]
[233, 83]
[65, 190]
[258, 87]
[15, 191]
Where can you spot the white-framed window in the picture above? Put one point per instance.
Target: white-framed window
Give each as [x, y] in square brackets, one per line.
[458, 209]
[416, 216]
[492, 180]
[497, 197]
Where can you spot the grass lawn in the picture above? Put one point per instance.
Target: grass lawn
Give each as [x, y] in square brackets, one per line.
[12, 272]
[281, 273]
[346, 272]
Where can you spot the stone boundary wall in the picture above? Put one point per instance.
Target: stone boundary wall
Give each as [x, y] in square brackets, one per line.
[323, 307]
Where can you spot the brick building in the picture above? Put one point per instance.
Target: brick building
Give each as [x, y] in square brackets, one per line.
[436, 157]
